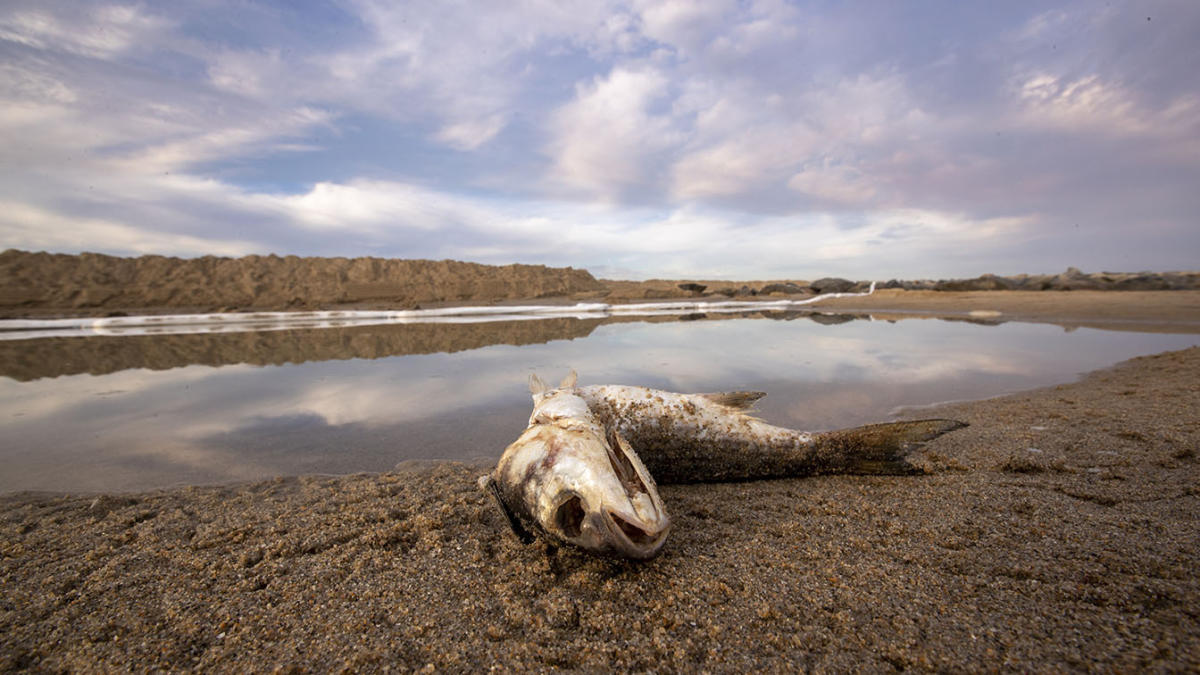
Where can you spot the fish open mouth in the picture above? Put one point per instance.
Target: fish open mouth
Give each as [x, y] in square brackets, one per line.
[634, 533]
[639, 542]
[634, 539]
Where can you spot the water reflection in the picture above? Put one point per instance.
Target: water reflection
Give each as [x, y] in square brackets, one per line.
[51, 357]
[31, 359]
[138, 428]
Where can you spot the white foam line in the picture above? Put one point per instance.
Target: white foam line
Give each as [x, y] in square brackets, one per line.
[176, 324]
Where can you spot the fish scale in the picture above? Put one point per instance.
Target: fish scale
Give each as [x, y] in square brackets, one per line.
[697, 438]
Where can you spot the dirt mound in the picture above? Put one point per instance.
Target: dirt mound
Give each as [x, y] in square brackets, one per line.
[91, 282]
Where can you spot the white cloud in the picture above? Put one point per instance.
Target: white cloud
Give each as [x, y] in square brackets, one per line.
[817, 141]
[1041, 25]
[765, 25]
[606, 138]
[836, 184]
[253, 73]
[618, 33]
[372, 207]
[194, 145]
[1085, 104]
[471, 134]
[54, 120]
[1091, 105]
[31, 228]
[465, 66]
[20, 86]
[740, 162]
[687, 25]
[101, 32]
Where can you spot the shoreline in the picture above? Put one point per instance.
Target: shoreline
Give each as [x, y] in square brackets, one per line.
[1149, 311]
[1059, 530]
[44, 285]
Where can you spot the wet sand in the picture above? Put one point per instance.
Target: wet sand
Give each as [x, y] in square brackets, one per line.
[1145, 311]
[1058, 531]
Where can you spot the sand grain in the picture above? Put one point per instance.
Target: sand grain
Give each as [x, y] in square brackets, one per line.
[1058, 531]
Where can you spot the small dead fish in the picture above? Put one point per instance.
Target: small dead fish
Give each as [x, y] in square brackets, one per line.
[695, 438]
[574, 481]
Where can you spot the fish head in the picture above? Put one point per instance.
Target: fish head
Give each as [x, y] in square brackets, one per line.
[578, 484]
[604, 501]
[576, 487]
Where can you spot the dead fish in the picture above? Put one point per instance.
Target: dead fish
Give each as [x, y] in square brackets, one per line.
[694, 438]
[572, 480]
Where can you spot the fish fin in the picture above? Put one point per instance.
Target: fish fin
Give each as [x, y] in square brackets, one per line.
[570, 380]
[736, 400]
[489, 484]
[536, 386]
[885, 448]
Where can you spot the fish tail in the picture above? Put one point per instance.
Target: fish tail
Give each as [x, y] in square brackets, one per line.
[885, 448]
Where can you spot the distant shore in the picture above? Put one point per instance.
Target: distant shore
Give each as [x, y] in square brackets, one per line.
[41, 285]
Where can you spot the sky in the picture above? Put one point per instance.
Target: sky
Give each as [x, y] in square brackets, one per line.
[675, 138]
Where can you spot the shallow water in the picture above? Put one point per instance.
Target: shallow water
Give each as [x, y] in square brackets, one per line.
[131, 413]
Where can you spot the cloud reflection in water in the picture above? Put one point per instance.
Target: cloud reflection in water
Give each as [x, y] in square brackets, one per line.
[136, 429]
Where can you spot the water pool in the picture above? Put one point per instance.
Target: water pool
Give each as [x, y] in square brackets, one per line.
[136, 412]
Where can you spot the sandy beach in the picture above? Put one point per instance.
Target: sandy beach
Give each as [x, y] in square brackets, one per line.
[1058, 531]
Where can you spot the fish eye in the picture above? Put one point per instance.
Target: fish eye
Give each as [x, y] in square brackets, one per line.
[569, 516]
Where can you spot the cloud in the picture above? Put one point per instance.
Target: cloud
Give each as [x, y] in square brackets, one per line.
[250, 73]
[735, 149]
[102, 32]
[374, 207]
[810, 147]
[468, 65]
[1089, 105]
[661, 137]
[686, 25]
[471, 134]
[28, 88]
[833, 184]
[31, 228]
[606, 138]
[191, 147]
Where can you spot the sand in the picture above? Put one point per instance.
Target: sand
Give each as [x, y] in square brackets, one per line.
[43, 285]
[1059, 531]
[90, 284]
[1172, 311]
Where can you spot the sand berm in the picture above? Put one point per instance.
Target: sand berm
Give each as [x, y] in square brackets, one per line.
[92, 283]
